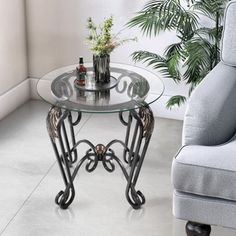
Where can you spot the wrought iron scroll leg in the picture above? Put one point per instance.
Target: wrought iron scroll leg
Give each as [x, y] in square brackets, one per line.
[135, 198]
[132, 147]
[51, 121]
[66, 197]
[140, 163]
[145, 124]
[59, 162]
[128, 124]
[68, 149]
[56, 126]
[72, 124]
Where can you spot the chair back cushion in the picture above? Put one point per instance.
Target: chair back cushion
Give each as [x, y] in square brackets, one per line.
[228, 42]
[210, 117]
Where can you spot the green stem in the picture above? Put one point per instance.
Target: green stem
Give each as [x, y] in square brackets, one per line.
[217, 38]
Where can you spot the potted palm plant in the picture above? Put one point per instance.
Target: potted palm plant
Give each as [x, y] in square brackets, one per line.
[197, 50]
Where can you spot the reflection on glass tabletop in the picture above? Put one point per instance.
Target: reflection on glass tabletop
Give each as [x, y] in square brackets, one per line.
[131, 88]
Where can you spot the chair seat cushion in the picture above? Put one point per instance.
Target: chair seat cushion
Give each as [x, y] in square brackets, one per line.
[206, 170]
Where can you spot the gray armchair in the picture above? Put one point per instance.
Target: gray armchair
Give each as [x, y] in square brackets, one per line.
[204, 170]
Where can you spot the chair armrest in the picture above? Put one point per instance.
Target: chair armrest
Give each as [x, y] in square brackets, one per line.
[210, 117]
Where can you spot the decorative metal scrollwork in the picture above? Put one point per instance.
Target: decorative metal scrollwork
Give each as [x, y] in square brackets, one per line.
[102, 155]
[65, 198]
[107, 161]
[92, 161]
[52, 122]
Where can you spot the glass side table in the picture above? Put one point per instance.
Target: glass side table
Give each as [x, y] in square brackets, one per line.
[131, 91]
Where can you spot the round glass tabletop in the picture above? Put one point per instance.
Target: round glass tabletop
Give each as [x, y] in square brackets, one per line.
[131, 88]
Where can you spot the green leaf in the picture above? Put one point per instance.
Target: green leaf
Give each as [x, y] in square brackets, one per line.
[200, 54]
[173, 67]
[161, 15]
[210, 8]
[174, 54]
[212, 34]
[175, 48]
[154, 60]
[176, 100]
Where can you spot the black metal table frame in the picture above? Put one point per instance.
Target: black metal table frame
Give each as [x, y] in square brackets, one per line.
[66, 150]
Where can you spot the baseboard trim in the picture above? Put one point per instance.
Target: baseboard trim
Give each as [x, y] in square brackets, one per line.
[14, 98]
[33, 89]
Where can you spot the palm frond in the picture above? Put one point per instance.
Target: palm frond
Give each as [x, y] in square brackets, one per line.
[174, 54]
[173, 67]
[213, 34]
[200, 53]
[176, 100]
[154, 60]
[175, 48]
[159, 15]
[210, 8]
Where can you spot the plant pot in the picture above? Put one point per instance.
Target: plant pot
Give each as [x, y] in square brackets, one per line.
[101, 65]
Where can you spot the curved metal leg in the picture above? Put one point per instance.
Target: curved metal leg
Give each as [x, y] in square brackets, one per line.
[72, 132]
[128, 130]
[59, 138]
[137, 149]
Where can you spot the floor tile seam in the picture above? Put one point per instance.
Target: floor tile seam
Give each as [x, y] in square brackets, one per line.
[29, 196]
[24, 171]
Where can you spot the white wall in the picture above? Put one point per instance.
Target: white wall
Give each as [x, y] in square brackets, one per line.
[13, 56]
[57, 31]
[13, 63]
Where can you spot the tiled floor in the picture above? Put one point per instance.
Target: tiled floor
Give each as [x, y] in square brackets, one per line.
[30, 179]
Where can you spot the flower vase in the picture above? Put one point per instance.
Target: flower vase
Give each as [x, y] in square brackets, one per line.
[101, 65]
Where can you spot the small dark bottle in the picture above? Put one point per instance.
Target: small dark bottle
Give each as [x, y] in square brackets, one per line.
[82, 71]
